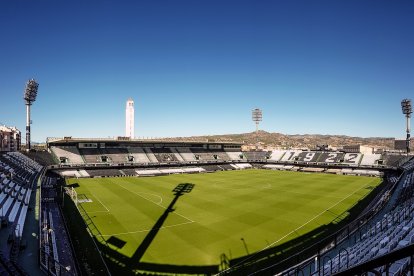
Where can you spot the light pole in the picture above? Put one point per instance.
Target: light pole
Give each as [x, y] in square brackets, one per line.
[30, 94]
[257, 117]
[407, 110]
[245, 246]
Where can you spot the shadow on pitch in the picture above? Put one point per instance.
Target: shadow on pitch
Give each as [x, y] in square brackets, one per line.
[74, 185]
[179, 191]
[118, 243]
[129, 266]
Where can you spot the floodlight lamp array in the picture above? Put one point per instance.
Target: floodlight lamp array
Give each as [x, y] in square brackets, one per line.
[30, 92]
[257, 115]
[406, 107]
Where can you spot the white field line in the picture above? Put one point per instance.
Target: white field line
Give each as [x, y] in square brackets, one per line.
[101, 203]
[190, 220]
[306, 223]
[98, 212]
[147, 230]
[158, 203]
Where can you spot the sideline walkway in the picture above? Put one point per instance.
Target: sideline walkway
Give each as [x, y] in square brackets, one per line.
[28, 258]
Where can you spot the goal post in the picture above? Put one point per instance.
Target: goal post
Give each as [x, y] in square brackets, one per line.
[73, 195]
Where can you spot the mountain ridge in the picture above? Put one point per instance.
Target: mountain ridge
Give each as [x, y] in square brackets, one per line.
[275, 139]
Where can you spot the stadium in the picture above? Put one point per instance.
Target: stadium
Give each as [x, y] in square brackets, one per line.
[122, 206]
[141, 157]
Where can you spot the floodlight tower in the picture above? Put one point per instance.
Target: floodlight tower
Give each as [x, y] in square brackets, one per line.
[257, 116]
[30, 94]
[407, 110]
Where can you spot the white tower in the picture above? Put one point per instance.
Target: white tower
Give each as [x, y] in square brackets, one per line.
[129, 119]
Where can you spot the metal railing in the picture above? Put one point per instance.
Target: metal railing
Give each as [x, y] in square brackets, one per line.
[383, 263]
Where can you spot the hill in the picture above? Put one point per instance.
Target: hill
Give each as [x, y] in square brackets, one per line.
[297, 140]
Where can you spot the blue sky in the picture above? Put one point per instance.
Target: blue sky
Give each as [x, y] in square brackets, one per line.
[199, 67]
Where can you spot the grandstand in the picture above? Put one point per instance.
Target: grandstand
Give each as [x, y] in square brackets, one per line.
[382, 242]
[72, 152]
[96, 158]
[90, 158]
[69, 155]
[17, 186]
[156, 159]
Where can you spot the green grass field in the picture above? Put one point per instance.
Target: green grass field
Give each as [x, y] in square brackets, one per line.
[264, 208]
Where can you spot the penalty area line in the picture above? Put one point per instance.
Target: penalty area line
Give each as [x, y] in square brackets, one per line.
[146, 230]
[107, 210]
[190, 220]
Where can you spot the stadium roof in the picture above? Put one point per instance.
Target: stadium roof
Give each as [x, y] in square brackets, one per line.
[137, 141]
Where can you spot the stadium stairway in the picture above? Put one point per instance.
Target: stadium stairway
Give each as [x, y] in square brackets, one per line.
[139, 155]
[151, 155]
[186, 154]
[177, 155]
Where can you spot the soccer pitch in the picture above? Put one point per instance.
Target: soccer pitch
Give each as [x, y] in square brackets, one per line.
[232, 213]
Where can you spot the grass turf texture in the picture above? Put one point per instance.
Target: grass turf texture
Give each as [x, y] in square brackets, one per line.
[264, 208]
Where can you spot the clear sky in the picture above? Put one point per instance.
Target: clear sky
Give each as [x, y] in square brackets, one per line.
[199, 67]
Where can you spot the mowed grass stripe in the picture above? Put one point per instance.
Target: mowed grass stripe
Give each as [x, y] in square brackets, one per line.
[262, 207]
[131, 217]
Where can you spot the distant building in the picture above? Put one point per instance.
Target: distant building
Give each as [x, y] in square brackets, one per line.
[401, 144]
[129, 119]
[10, 139]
